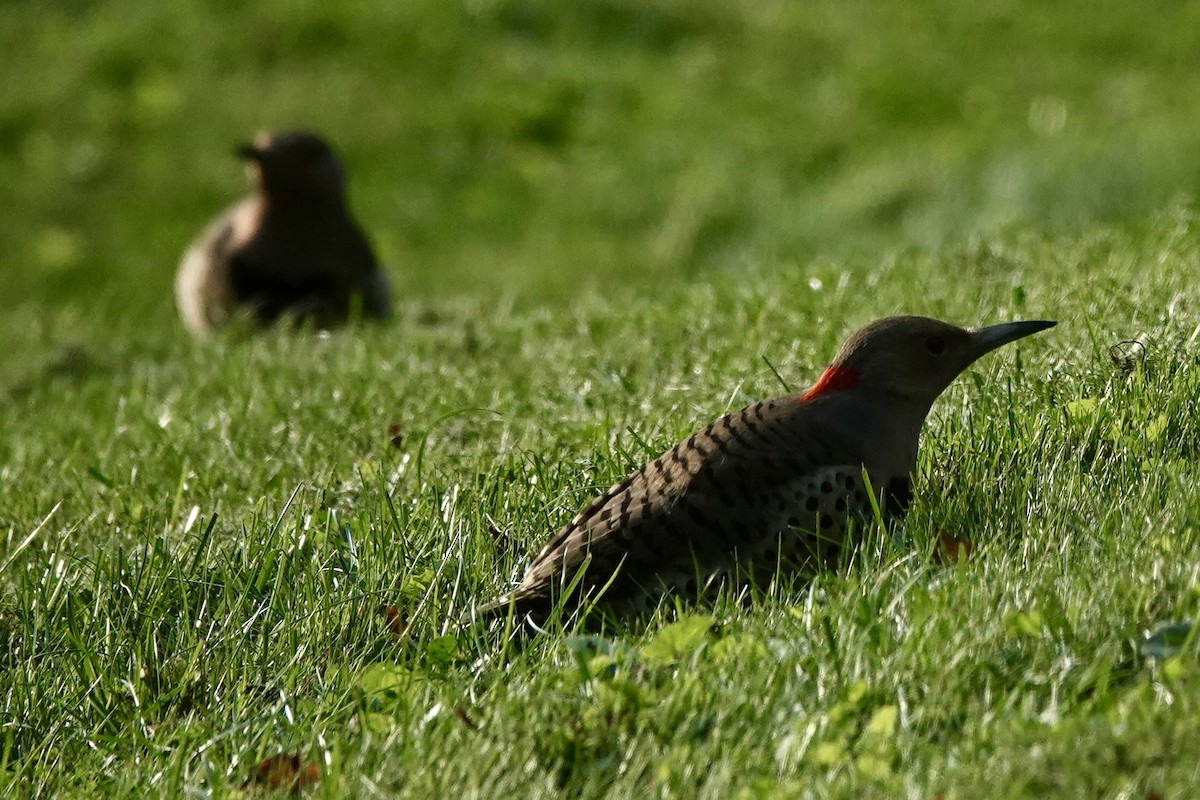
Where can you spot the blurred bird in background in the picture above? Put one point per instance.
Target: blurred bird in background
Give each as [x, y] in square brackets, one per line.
[291, 248]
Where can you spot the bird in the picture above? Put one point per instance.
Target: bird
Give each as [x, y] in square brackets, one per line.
[770, 489]
[290, 248]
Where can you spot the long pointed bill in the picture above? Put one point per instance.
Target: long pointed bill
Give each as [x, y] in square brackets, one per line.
[985, 340]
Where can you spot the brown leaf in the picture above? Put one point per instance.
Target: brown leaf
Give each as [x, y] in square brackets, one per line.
[396, 436]
[952, 549]
[396, 620]
[283, 772]
[461, 713]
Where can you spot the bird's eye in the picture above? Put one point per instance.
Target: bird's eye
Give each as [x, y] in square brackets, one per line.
[935, 345]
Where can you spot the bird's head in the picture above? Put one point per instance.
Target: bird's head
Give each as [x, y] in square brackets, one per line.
[914, 357]
[294, 166]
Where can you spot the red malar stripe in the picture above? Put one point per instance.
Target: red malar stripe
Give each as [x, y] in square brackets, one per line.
[832, 379]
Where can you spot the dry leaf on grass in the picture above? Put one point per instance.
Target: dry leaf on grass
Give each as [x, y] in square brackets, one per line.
[952, 549]
[397, 621]
[465, 719]
[282, 772]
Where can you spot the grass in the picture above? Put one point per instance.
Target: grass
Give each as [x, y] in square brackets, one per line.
[520, 147]
[230, 523]
[607, 226]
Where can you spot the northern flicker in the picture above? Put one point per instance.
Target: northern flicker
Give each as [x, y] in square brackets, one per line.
[767, 489]
[291, 247]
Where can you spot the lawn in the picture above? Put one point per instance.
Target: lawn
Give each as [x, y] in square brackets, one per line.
[608, 223]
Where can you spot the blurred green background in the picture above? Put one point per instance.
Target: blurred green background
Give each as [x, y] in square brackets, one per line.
[540, 149]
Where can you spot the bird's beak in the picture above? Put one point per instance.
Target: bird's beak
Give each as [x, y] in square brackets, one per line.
[986, 339]
[248, 152]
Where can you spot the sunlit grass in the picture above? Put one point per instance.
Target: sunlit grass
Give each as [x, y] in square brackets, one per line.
[262, 546]
[608, 222]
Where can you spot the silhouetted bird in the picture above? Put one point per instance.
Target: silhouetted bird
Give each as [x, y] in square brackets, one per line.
[291, 247]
